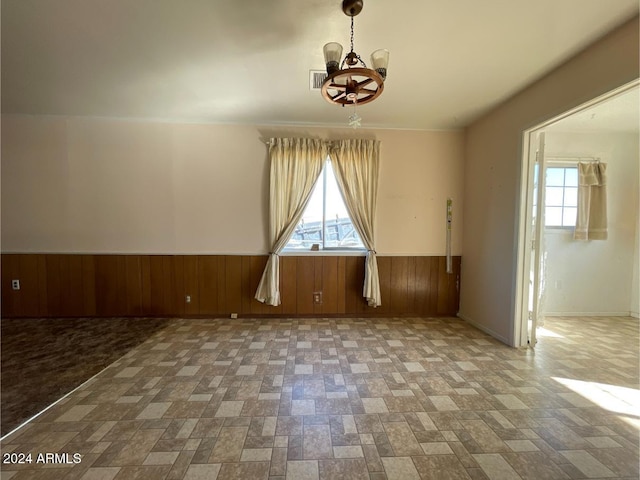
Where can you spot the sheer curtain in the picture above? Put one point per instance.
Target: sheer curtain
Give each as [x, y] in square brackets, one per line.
[296, 164]
[356, 164]
[591, 220]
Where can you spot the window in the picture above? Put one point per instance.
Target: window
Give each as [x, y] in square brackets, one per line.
[561, 197]
[325, 222]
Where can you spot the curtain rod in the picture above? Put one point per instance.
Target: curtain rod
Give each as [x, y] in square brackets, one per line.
[329, 142]
[571, 160]
[578, 159]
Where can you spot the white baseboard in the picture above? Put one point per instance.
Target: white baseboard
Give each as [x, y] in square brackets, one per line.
[588, 314]
[635, 314]
[486, 330]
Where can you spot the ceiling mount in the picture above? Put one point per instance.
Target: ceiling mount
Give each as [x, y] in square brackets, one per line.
[352, 8]
[348, 83]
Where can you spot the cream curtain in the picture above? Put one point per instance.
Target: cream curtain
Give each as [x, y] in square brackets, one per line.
[296, 164]
[356, 164]
[591, 220]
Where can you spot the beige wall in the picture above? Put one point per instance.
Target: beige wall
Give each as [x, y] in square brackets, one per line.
[635, 280]
[493, 156]
[106, 186]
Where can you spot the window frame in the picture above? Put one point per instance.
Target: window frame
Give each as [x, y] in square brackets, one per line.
[564, 166]
[326, 251]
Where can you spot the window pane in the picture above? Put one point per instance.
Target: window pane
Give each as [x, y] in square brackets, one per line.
[309, 229]
[553, 196]
[569, 217]
[561, 196]
[553, 216]
[571, 177]
[340, 232]
[571, 197]
[338, 229]
[555, 177]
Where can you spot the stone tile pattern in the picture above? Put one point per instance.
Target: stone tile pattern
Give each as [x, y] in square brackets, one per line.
[388, 398]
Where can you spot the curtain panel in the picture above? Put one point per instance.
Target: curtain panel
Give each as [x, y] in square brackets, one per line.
[356, 166]
[591, 220]
[295, 165]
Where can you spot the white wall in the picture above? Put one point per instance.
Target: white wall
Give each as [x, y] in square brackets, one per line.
[73, 185]
[493, 160]
[595, 277]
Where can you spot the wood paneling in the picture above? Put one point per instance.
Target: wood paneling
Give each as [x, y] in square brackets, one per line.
[454, 287]
[163, 285]
[317, 284]
[132, 285]
[433, 284]
[89, 285]
[191, 285]
[288, 284]
[31, 299]
[108, 287]
[118, 285]
[65, 292]
[328, 284]
[384, 272]
[422, 283]
[341, 305]
[354, 280]
[57, 285]
[398, 298]
[233, 284]
[306, 282]
[208, 288]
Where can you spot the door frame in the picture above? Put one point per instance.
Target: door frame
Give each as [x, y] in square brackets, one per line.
[526, 235]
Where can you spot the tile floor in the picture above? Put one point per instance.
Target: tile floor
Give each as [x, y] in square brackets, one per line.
[368, 399]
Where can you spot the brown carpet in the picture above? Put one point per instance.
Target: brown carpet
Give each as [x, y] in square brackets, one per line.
[43, 359]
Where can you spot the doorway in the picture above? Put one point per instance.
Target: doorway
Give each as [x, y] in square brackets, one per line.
[556, 273]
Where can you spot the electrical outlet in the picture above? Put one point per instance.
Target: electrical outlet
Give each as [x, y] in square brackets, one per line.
[234, 315]
[317, 298]
[15, 284]
[188, 299]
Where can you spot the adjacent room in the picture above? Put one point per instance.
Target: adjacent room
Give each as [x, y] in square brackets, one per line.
[573, 268]
[284, 240]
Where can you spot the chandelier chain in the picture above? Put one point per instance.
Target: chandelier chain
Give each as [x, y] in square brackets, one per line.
[352, 51]
[352, 34]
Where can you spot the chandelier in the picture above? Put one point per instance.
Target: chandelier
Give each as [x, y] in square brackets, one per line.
[347, 83]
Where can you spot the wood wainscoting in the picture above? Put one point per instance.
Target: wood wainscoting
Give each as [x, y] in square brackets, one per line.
[69, 285]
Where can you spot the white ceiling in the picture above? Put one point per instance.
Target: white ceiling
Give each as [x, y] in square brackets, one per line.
[620, 113]
[224, 61]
